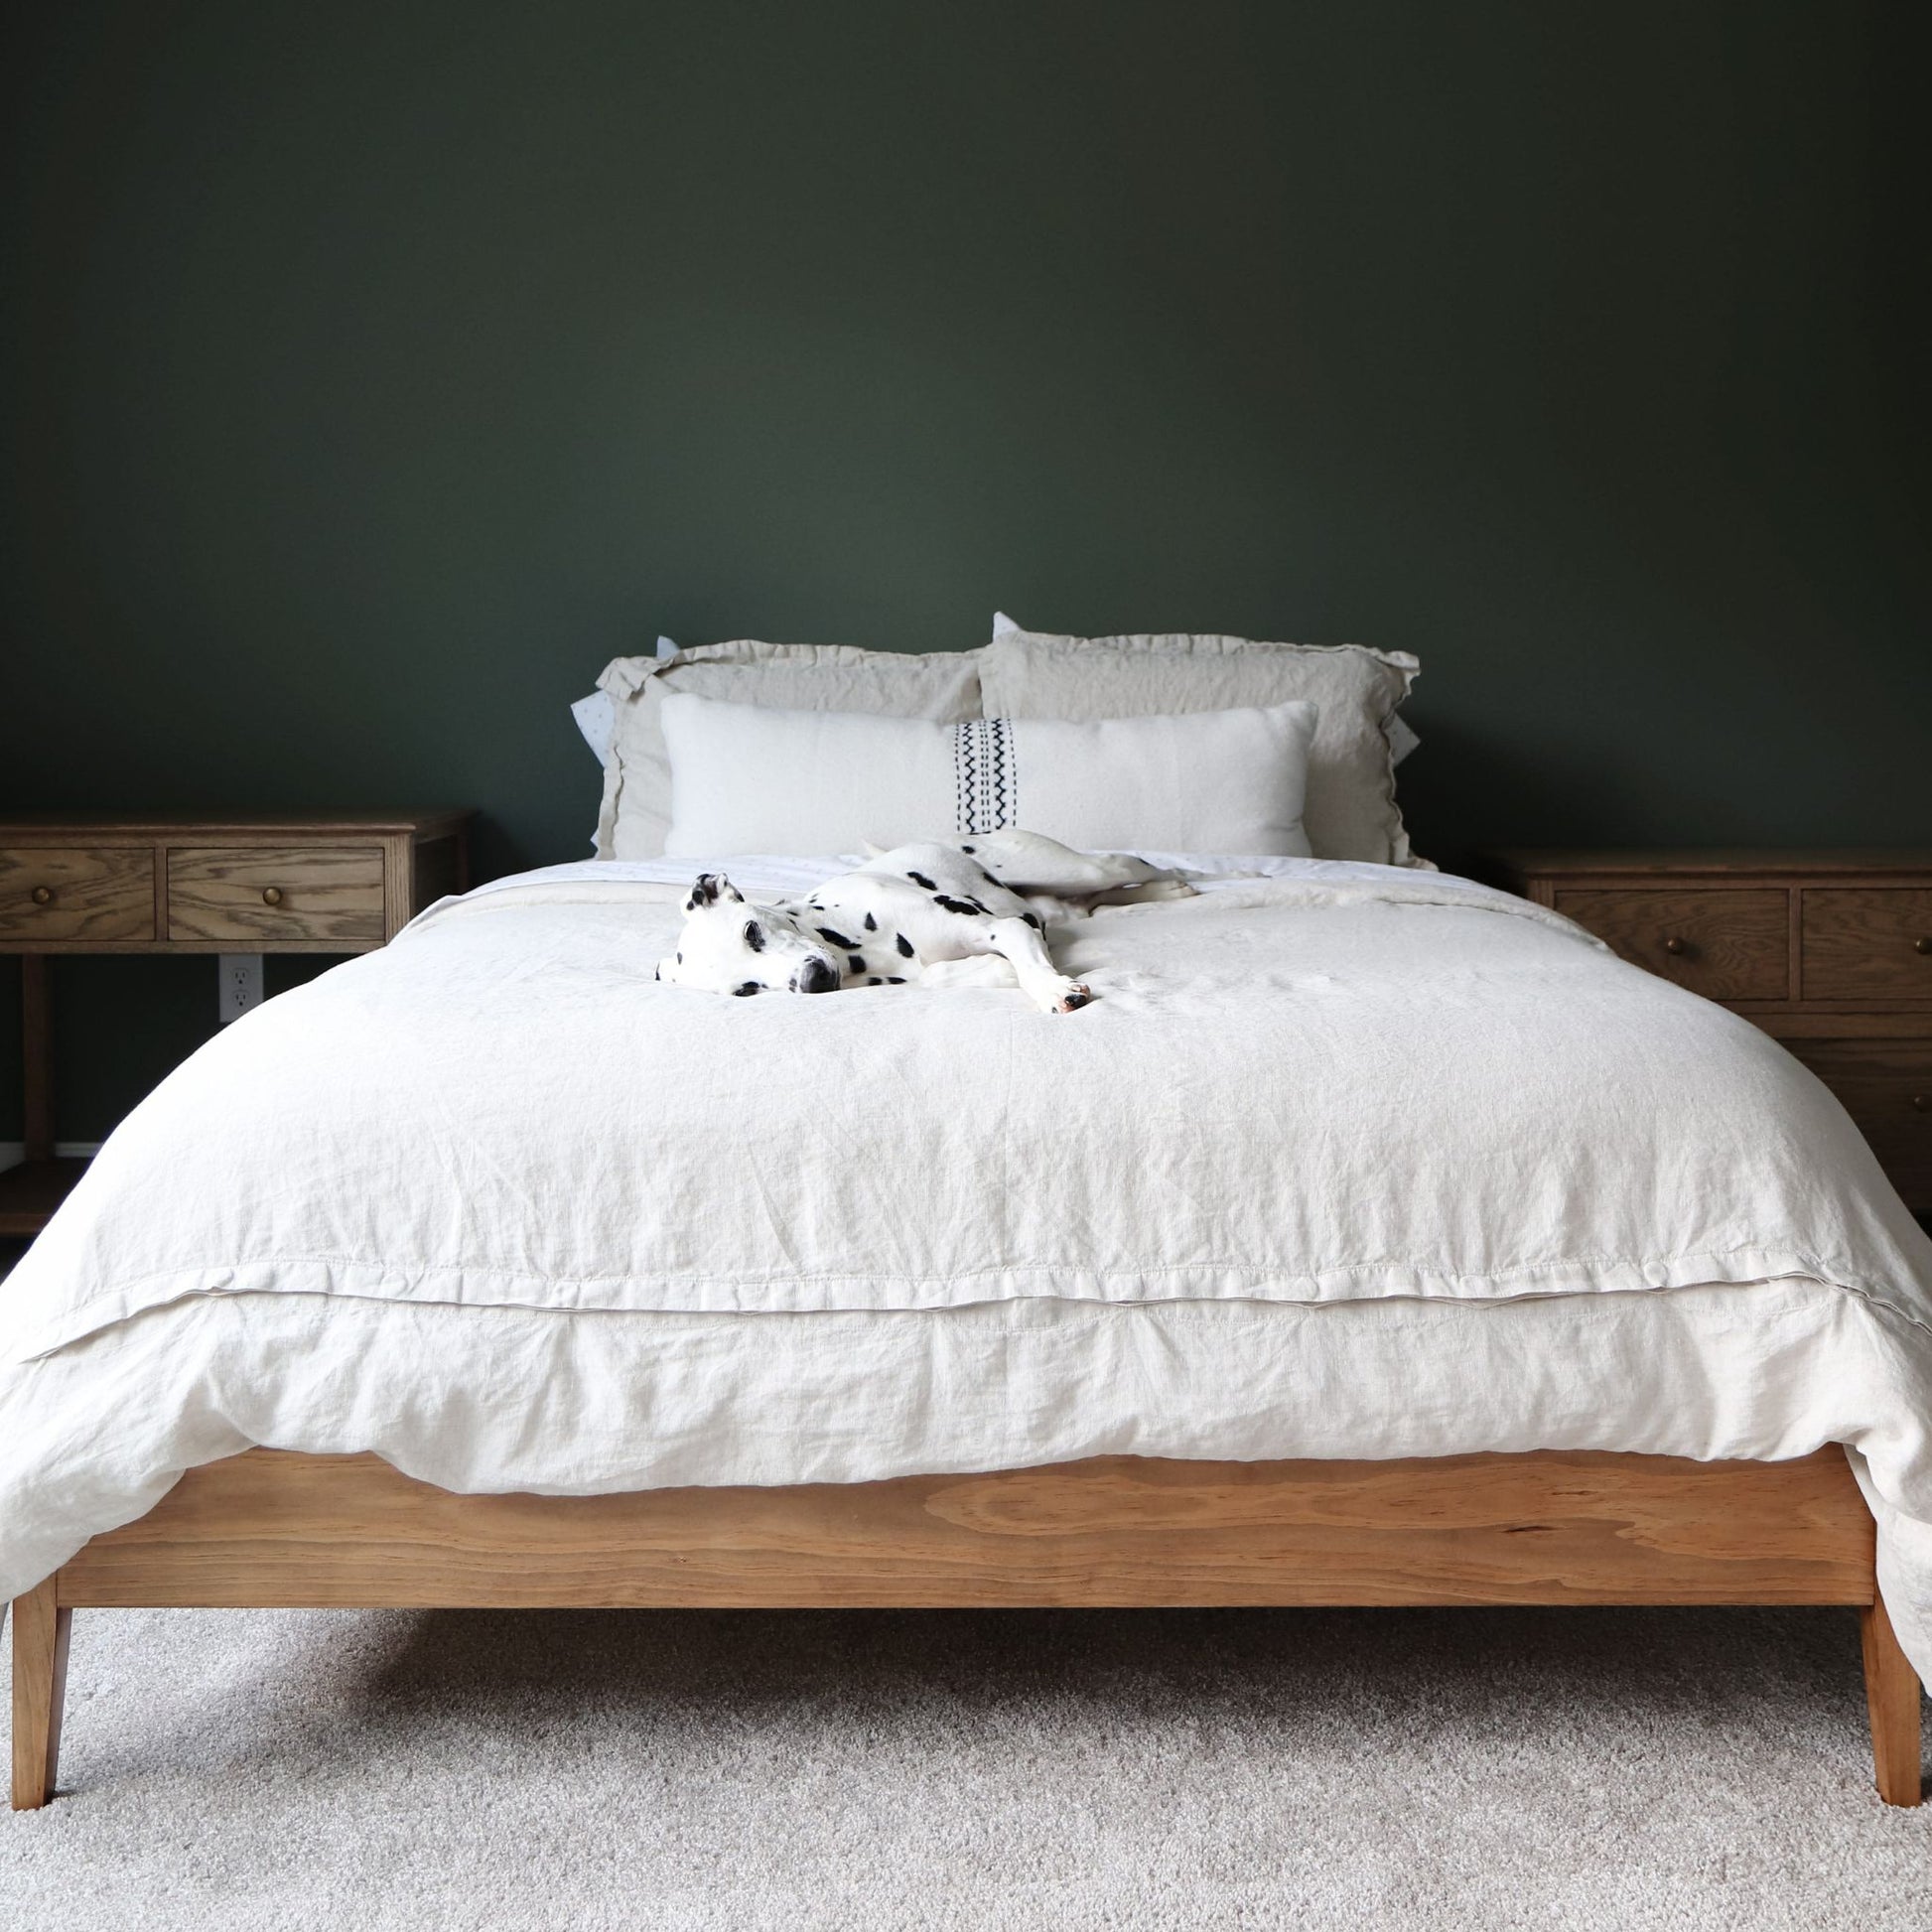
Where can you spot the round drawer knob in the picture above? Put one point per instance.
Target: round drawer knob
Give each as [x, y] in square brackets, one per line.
[43, 894]
[271, 896]
[1923, 1102]
[1922, 946]
[1677, 948]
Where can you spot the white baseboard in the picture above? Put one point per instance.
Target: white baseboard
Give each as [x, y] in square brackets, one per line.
[13, 1153]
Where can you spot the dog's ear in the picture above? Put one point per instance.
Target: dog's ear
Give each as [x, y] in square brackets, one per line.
[709, 888]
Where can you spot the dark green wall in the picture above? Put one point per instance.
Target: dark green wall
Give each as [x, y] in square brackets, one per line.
[372, 374]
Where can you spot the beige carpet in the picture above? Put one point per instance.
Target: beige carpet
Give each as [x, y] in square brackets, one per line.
[1441, 1769]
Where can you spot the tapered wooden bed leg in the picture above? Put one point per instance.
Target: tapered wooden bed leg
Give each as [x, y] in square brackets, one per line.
[39, 1687]
[1891, 1690]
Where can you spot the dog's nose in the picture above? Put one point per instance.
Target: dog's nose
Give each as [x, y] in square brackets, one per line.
[817, 976]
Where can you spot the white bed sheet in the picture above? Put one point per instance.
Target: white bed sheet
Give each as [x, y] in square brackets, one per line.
[1356, 1163]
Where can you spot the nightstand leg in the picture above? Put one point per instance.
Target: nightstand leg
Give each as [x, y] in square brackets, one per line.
[37, 1056]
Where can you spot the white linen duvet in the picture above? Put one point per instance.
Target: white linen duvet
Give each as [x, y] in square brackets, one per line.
[1345, 1161]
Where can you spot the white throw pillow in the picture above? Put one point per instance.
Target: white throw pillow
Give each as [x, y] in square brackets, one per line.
[1351, 808]
[751, 778]
[636, 807]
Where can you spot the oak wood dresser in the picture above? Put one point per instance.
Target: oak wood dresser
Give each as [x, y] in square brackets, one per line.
[1829, 952]
[343, 884]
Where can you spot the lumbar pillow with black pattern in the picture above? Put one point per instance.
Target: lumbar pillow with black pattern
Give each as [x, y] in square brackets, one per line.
[752, 778]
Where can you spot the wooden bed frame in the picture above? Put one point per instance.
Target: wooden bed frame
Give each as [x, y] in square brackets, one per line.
[270, 1528]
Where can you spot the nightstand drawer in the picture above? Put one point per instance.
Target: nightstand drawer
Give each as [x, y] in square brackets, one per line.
[273, 892]
[1725, 944]
[1873, 943]
[1885, 1086]
[55, 893]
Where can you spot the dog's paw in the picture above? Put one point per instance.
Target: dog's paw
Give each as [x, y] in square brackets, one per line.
[1074, 998]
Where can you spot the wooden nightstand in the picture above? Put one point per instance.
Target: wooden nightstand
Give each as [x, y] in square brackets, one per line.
[1828, 952]
[318, 885]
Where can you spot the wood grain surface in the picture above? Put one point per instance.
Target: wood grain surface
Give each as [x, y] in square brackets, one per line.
[1885, 1086]
[1862, 944]
[40, 1675]
[1852, 996]
[271, 1528]
[1891, 1691]
[437, 868]
[240, 828]
[274, 1527]
[91, 892]
[1735, 941]
[318, 892]
[30, 1191]
[1741, 861]
[35, 1062]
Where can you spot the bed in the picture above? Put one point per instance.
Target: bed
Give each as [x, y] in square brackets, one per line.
[1375, 1238]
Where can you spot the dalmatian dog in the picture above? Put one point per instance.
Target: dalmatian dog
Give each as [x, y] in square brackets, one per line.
[909, 915]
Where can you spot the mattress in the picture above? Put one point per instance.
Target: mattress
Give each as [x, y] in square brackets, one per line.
[1344, 1162]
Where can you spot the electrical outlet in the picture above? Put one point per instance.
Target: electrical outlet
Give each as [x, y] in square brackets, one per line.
[241, 983]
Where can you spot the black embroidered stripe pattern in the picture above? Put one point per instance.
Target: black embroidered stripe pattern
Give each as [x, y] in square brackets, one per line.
[965, 772]
[984, 774]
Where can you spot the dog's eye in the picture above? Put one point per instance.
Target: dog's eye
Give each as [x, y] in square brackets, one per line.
[755, 937]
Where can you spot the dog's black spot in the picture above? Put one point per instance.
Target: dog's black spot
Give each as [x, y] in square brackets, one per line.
[969, 909]
[657, 972]
[871, 924]
[754, 937]
[875, 980]
[745, 991]
[903, 944]
[1033, 919]
[967, 848]
[920, 878]
[680, 959]
[838, 939]
[894, 980]
[857, 962]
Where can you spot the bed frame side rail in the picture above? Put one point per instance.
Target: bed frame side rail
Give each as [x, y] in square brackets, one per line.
[273, 1528]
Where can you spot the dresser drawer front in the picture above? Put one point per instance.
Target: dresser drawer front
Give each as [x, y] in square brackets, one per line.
[1873, 943]
[269, 893]
[1725, 944]
[61, 893]
[1885, 1086]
